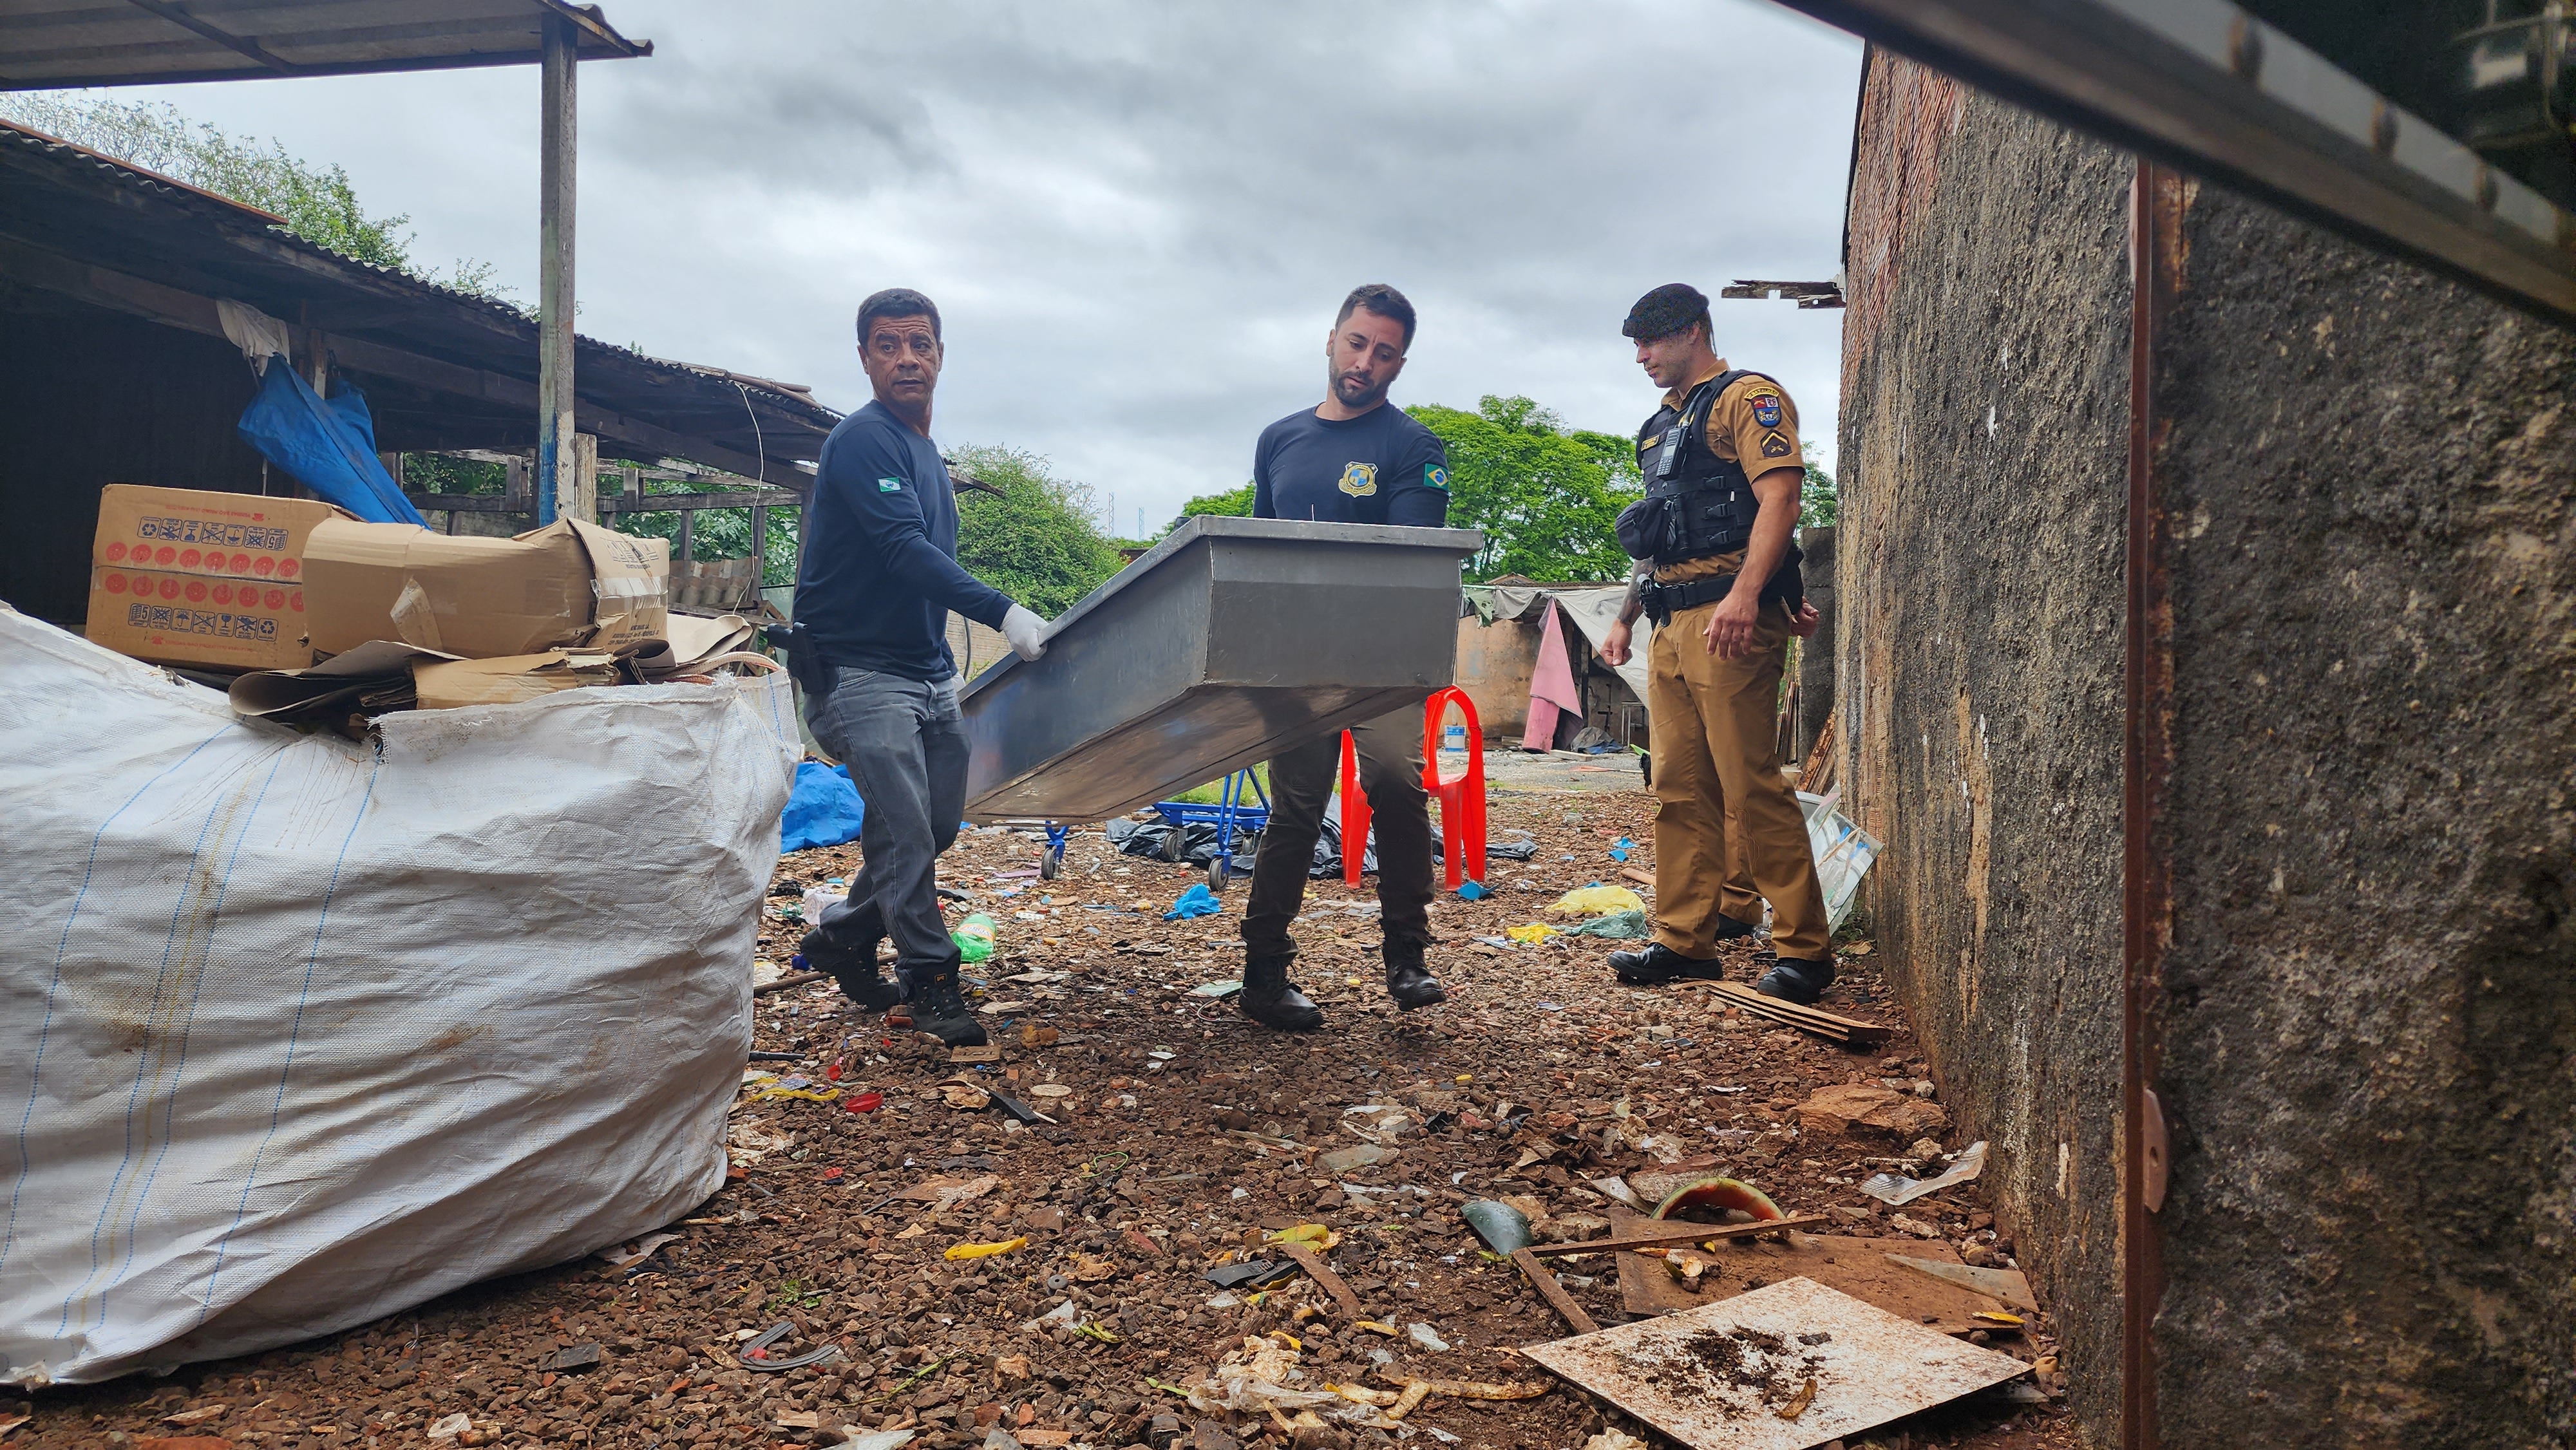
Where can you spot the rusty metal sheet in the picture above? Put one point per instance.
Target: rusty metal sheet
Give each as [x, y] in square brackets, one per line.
[1734, 1375]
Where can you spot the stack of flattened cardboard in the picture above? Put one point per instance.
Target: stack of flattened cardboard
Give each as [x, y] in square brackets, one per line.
[383, 675]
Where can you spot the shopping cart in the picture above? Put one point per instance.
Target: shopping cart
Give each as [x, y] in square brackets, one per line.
[1233, 811]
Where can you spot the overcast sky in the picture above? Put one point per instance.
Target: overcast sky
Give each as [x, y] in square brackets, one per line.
[1137, 219]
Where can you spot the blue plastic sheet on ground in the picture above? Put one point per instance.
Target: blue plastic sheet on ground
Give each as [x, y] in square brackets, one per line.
[823, 809]
[1197, 901]
[329, 447]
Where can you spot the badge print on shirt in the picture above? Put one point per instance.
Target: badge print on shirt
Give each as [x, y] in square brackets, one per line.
[889, 485]
[1436, 477]
[1766, 409]
[1774, 446]
[1359, 480]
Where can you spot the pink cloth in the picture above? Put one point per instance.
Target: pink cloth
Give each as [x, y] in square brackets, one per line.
[1552, 691]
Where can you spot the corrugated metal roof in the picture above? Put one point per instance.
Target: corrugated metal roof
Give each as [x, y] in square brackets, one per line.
[97, 211]
[57, 43]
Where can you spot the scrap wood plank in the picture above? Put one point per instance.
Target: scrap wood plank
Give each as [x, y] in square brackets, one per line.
[2009, 1285]
[1808, 1019]
[1553, 1292]
[1322, 1273]
[1854, 1266]
[1642, 878]
[1678, 1235]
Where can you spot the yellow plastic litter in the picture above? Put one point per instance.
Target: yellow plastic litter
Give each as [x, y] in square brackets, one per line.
[1306, 1233]
[1293, 1341]
[810, 1095]
[1373, 1327]
[1597, 901]
[1466, 1077]
[986, 1251]
[1995, 1316]
[1094, 1331]
[1536, 931]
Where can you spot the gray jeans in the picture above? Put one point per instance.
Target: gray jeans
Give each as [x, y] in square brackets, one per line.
[905, 746]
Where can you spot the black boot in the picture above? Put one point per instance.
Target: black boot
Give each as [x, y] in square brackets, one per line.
[1407, 980]
[1657, 963]
[1796, 981]
[1271, 1000]
[855, 967]
[940, 1009]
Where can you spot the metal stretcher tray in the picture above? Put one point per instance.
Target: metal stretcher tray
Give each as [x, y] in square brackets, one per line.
[1231, 640]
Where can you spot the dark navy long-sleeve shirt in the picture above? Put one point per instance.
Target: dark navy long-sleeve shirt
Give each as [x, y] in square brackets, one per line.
[1381, 467]
[880, 571]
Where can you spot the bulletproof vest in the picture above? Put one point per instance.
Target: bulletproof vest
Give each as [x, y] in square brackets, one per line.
[1697, 504]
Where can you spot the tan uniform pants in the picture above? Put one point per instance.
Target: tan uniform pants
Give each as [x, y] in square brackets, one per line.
[1728, 833]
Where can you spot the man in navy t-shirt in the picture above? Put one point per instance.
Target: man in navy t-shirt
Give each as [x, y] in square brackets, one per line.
[1350, 460]
[878, 578]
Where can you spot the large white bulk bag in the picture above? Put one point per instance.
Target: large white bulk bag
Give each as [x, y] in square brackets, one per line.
[296, 1031]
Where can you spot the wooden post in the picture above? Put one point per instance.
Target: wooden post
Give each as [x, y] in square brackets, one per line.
[631, 480]
[759, 549]
[577, 493]
[555, 264]
[680, 555]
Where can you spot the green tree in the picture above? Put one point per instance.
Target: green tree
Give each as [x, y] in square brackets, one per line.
[319, 204]
[1818, 500]
[1038, 543]
[1548, 498]
[1233, 503]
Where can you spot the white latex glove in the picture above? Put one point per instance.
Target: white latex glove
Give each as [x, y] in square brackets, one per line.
[1025, 631]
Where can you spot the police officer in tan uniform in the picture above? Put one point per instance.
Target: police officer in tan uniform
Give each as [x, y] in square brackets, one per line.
[1716, 532]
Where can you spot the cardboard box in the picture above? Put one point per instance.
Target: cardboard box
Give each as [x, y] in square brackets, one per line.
[569, 583]
[443, 685]
[190, 619]
[191, 531]
[182, 576]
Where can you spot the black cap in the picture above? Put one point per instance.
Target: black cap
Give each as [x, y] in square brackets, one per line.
[1666, 310]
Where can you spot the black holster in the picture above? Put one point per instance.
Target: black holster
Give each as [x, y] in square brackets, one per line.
[805, 663]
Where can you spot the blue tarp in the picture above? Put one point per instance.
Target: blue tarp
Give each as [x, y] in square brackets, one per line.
[329, 447]
[823, 809]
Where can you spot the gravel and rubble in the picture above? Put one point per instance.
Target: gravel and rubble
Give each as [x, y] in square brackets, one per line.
[874, 1177]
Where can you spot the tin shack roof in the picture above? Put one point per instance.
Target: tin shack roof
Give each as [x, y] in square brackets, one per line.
[441, 368]
[142, 42]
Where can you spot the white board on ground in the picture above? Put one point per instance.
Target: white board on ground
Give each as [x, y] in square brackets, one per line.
[1736, 1374]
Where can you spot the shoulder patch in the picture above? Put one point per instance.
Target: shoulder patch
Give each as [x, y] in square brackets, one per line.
[1436, 477]
[1774, 446]
[1766, 409]
[889, 485]
[1359, 480]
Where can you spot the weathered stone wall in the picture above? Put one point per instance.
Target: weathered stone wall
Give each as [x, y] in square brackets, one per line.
[2370, 1049]
[1984, 423]
[2370, 1022]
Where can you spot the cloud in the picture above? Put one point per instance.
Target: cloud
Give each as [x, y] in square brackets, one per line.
[1138, 219]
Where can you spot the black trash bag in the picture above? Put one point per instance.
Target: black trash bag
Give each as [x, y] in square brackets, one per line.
[1196, 845]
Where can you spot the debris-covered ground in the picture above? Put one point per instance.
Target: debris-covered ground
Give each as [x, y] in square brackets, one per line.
[1185, 1136]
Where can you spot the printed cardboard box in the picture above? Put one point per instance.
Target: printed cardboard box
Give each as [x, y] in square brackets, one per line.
[183, 576]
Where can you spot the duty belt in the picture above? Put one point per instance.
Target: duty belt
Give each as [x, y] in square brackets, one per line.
[1663, 601]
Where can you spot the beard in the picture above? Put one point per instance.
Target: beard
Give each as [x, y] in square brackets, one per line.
[1353, 394]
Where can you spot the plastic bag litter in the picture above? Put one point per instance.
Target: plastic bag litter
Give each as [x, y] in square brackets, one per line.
[304, 1031]
[1597, 901]
[1618, 925]
[1259, 1375]
[1196, 902]
[974, 937]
